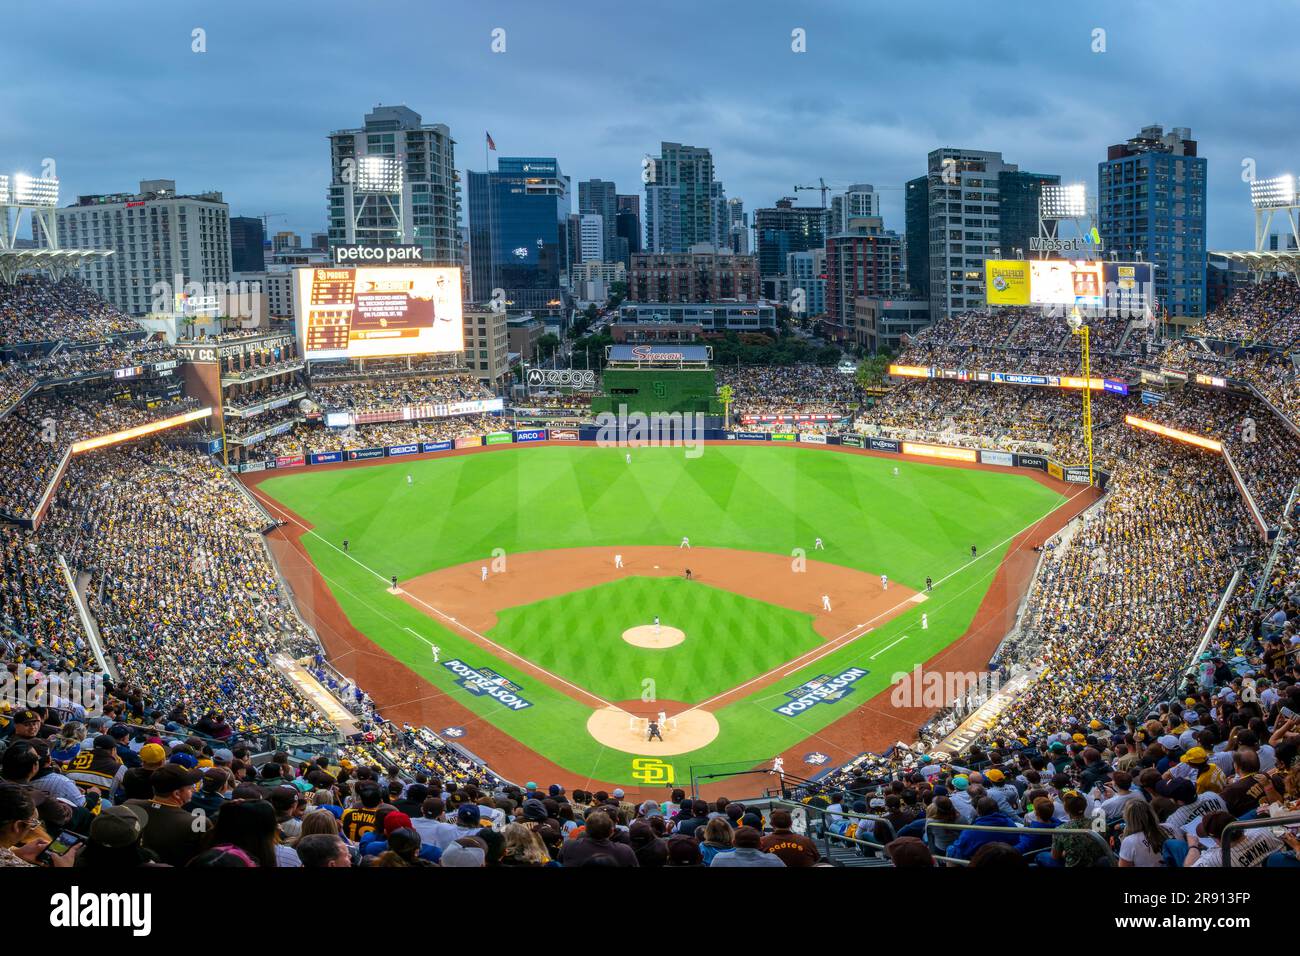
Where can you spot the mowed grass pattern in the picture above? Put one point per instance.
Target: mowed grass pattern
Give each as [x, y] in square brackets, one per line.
[729, 638]
[460, 507]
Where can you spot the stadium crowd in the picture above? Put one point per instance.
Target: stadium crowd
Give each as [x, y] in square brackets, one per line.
[805, 389]
[1114, 727]
[34, 439]
[390, 391]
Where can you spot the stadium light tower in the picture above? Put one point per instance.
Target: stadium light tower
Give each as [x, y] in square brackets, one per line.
[1269, 197]
[378, 184]
[37, 195]
[1059, 203]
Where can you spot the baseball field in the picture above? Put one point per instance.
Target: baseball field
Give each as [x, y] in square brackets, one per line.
[543, 615]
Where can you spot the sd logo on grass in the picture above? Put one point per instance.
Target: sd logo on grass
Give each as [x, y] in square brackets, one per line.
[652, 771]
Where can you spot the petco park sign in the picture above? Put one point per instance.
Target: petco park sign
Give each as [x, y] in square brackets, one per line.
[383, 255]
[561, 378]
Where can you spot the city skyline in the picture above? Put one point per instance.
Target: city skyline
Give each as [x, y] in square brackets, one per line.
[1036, 92]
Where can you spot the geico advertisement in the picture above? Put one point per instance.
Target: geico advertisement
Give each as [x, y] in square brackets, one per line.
[373, 311]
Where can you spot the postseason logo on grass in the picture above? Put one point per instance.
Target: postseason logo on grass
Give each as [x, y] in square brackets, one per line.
[484, 682]
[821, 690]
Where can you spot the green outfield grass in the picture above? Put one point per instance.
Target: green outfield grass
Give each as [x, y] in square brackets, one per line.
[459, 508]
[730, 638]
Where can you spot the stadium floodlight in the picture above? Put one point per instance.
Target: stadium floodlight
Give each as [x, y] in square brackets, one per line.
[379, 174]
[4, 188]
[1063, 202]
[35, 190]
[1273, 193]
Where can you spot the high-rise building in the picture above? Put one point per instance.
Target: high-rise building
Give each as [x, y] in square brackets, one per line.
[157, 236]
[784, 229]
[917, 211]
[600, 197]
[487, 345]
[737, 227]
[246, 253]
[591, 237]
[859, 201]
[1019, 194]
[864, 260]
[807, 273]
[705, 274]
[394, 181]
[519, 225]
[1151, 207]
[963, 228]
[684, 203]
[627, 229]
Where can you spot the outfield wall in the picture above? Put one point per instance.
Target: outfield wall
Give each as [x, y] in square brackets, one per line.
[1071, 474]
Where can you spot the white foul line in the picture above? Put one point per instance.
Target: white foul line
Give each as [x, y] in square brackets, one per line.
[505, 651]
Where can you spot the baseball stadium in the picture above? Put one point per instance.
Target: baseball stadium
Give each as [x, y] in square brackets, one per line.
[503, 523]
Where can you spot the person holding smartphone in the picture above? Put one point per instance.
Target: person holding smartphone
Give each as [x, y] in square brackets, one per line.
[18, 823]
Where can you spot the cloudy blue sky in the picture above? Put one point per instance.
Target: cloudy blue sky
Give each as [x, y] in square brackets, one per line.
[111, 90]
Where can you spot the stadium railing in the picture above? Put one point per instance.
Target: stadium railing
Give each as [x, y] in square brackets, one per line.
[1026, 831]
[1238, 826]
[834, 844]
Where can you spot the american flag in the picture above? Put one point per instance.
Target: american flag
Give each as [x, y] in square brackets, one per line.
[491, 145]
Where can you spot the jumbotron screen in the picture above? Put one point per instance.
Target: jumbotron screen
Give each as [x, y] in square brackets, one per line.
[373, 311]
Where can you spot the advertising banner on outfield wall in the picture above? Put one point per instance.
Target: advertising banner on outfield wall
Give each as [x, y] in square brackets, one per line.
[1032, 461]
[1055, 471]
[469, 442]
[1076, 474]
[946, 452]
[811, 438]
[251, 466]
[362, 454]
[498, 438]
[563, 434]
[885, 444]
[395, 451]
[784, 436]
[429, 446]
[852, 441]
[289, 461]
[1003, 458]
[325, 457]
[530, 434]
[749, 436]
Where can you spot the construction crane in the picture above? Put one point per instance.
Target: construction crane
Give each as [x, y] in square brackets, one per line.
[821, 187]
[266, 216]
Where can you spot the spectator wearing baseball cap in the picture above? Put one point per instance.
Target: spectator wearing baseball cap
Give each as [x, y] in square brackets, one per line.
[24, 725]
[173, 833]
[115, 840]
[468, 851]
[121, 733]
[1209, 778]
[373, 844]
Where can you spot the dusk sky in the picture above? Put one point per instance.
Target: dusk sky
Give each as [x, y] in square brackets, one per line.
[113, 92]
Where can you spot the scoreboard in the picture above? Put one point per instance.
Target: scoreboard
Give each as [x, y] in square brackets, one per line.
[373, 311]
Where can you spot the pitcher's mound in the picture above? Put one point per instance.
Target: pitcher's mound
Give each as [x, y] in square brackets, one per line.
[647, 635]
[617, 729]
